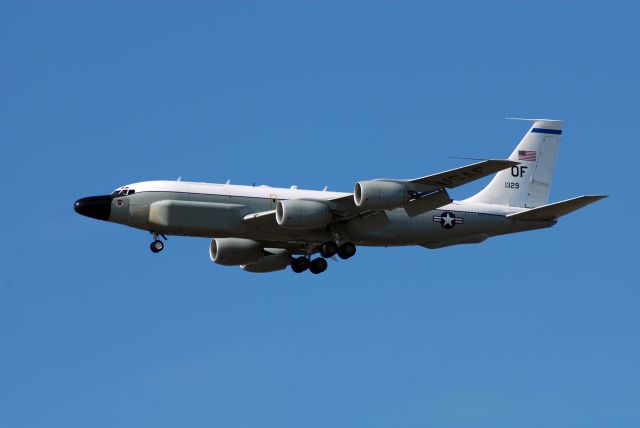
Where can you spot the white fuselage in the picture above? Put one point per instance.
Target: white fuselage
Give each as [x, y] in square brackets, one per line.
[219, 210]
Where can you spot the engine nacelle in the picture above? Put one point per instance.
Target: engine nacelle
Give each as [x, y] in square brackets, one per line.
[302, 215]
[380, 195]
[235, 251]
[279, 259]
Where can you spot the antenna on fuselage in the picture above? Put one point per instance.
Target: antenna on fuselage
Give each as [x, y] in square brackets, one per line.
[228, 181]
[324, 189]
[179, 179]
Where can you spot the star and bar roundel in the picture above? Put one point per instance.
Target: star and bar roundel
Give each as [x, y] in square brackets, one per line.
[447, 219]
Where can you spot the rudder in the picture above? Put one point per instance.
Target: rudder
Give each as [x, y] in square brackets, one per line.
[527, 185]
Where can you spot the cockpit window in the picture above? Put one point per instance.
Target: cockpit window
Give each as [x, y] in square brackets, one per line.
[122, 191]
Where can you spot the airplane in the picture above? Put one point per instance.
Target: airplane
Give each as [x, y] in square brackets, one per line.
[267, 229]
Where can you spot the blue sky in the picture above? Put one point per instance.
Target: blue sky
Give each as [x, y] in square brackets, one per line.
[528, 330]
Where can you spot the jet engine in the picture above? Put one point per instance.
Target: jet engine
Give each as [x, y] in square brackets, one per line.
[380, 195]
[279, 259]
[301, 215]
[235, 251]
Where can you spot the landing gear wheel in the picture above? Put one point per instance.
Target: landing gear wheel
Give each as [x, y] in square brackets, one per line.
[156, 246]
[318, 265]
[299, 264]
[328, 249]
[346, 250]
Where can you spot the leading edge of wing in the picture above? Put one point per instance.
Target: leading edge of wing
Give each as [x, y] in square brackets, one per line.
[464, 174]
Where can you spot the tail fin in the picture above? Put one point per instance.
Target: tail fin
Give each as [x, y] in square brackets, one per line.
[527, 185]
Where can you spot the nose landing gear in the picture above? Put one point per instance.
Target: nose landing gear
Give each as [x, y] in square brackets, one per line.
[157, 245]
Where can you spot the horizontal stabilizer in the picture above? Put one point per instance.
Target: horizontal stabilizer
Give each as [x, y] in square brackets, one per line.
[557, 209]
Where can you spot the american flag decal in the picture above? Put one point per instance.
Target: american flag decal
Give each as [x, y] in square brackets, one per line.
[527, 155]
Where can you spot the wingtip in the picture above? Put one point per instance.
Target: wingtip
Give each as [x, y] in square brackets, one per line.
[505, 162]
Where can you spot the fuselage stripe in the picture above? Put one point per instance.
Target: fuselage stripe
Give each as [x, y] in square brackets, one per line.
[547, 131]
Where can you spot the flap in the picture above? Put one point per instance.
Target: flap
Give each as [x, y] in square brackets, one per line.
[427, 203]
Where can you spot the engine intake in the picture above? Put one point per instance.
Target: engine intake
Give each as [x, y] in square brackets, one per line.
[302, 215]
[235, 251]
[279, 259]
[380, 195]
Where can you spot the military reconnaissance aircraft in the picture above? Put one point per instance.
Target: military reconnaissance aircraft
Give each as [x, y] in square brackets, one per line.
[265, 229]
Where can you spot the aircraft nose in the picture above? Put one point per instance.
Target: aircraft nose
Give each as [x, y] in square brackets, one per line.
[98, 207]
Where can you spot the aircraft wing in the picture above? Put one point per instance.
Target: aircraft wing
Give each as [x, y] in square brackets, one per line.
[464, 174]
[428, 193]
[430, 190]
[422, 203]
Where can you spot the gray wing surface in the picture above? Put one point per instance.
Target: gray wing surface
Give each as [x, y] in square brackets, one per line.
[442, 180]
[430, 193]
[464, 174]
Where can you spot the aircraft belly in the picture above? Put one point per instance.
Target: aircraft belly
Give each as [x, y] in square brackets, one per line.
[219, 216]
[433, 226]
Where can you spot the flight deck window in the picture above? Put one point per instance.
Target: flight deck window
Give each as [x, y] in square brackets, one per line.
[122, 191]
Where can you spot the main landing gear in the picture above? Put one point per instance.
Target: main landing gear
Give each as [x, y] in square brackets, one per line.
[319, 264]
[302, 263]
[157, 245]
[346, 250]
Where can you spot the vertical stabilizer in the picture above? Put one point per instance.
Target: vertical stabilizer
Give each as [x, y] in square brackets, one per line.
[527, 185]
